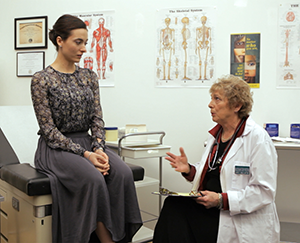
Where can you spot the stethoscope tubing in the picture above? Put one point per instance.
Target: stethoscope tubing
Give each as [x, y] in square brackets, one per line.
[211, 164]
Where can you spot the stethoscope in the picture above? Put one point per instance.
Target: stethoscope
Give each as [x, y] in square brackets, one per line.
[215, 161]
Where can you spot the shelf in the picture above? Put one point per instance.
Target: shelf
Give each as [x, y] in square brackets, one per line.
[143, 235]
[287, 145]
[114, 144]
[147, 181]
[149, 151]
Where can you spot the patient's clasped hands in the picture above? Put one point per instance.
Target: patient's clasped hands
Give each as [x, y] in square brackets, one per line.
[100, 161]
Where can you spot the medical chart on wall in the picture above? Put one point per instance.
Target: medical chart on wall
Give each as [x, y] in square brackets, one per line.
[100, 48]
[185, 50]
[288, 63]
[245, 57]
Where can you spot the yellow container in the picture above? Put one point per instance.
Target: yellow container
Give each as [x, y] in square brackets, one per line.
[111, 133]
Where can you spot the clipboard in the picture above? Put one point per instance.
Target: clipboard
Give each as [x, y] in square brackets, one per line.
[178, 194]
[166, 192]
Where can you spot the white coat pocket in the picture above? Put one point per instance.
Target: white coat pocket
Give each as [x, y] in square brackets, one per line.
[241, 175]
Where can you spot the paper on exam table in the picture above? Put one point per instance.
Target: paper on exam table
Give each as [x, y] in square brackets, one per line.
[291, 140]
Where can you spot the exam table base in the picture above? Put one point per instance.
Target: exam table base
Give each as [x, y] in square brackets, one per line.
[24, 218]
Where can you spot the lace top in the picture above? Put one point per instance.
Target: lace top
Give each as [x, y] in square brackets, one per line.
[66, 103]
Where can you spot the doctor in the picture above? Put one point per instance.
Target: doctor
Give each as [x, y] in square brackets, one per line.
[235, 179]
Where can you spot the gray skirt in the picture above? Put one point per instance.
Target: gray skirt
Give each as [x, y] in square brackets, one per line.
[82, 196]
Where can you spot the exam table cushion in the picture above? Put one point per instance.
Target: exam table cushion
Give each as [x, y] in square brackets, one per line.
[28, 180]
[137, 171]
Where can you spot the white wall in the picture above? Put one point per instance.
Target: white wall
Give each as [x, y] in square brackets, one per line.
[181, 113]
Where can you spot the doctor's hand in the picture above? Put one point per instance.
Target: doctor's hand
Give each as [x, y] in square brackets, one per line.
[209, 199]
[180, 162]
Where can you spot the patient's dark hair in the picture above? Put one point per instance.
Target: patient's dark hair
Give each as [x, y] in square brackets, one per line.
[63, 27]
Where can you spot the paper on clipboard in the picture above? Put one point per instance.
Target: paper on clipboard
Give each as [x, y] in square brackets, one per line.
[166, 192]
[178, 194]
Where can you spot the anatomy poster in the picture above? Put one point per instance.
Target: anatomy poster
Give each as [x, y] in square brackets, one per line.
[100, 48]
[288, 62]
[185, 50]
[245, 57]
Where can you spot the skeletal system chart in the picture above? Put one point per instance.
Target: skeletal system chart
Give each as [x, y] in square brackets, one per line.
[185, 47]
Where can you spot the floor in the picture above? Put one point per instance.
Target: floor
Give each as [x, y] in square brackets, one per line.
[290, 232]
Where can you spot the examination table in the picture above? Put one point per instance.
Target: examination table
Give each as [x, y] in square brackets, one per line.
[26, 206]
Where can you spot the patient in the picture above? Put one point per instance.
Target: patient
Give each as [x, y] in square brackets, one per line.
[92, 188]
[236, 177]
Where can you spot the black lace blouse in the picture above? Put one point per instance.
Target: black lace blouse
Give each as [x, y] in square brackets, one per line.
[67, 103]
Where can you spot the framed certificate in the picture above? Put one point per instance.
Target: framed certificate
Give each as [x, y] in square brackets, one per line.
[31, 32]
[30, 62]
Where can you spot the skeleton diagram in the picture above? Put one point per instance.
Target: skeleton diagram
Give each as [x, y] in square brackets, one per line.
[167, 46]
[287, 33]
[185, 35]
[203, 42]
[101, 36]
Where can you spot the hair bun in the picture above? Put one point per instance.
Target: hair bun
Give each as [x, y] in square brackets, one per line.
[52, 35]
[63, 27]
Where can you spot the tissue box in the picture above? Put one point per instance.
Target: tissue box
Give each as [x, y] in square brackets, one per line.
[272, 129]
[295, 131]
[136, 128]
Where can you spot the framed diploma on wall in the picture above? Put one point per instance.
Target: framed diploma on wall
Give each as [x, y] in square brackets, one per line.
[30, 62]
[31, 32]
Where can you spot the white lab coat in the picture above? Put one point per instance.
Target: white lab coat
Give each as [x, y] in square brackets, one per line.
[252, 215]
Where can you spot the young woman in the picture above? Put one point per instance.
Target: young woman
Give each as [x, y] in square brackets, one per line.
[92, 188]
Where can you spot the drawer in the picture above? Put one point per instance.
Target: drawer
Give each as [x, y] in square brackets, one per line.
[3, 240]
[4, 224]
[4, 204]
[150, 151]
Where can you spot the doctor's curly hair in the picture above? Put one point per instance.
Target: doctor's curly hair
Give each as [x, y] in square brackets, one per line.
[237, 91]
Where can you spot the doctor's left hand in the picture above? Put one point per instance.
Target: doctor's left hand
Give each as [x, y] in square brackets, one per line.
[209, 200]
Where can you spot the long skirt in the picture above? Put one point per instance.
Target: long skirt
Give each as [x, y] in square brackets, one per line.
[185, 221]
[82, 196]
